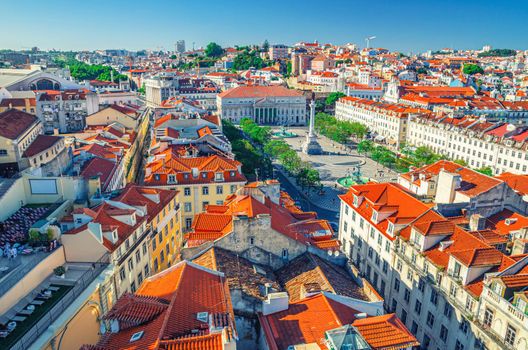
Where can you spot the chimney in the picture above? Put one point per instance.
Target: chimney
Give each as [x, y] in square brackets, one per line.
[448, 184]
[477, 222]
[275, 302]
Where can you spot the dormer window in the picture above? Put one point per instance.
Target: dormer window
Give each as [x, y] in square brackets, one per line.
[390, 229]
[156, 177]
[219, 176]
[356, 201]
[374, 217]
[172, 178]
[232, 173]
[114, 235]
[204, 175]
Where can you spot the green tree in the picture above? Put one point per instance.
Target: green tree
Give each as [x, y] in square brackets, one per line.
[248, 59]
[485, 170]
[265, 46]
[365, 146]
[471, 69]
[333, 97]
[460, 162]
[213, 50]
[498, 53]
[142, 90]
[276, 147]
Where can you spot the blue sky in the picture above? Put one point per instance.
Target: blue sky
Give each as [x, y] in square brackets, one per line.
[405, 25]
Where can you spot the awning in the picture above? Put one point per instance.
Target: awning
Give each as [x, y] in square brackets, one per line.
[379, 138]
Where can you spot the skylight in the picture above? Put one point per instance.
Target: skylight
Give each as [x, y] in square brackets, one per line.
[136, 336]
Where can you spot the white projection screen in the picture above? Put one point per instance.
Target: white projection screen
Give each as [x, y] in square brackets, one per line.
[47, 186]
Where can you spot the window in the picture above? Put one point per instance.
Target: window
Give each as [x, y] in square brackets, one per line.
[393, 305]
[133, 287]
[469, 303]
[171, 179]
[414, 328]
[187, 207]
[188, 223]
[403, 317]
[219, 189]
[464, 326]
[138, 256]
[130, 265]
[162, 256]
[399, 265]
[147, 270]
[205, 190]
[426, 342]
[453, 290]
[397, 285]
[144, 248]
[122, 273]
[443, 333]
[204, 205]
[233, 189]
[140, 278]
[3, 153]
[511, 333]
[488, 317]
[187, 191]
[458, 345]
[434, 297]
[285, 253]
[407, 295]
[385, 266]
[447, 310]
[421, 285]
[418, 307]
[430, 319]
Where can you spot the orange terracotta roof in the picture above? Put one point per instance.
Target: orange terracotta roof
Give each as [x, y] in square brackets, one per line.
[306, 321]
[478, 257]
[256, 91]
[519, 182]
[165, 309]
[385, 332]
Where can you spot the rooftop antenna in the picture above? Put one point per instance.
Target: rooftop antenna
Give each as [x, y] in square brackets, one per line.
[368, 39]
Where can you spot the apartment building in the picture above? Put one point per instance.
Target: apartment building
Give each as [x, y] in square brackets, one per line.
[163, 222]
[480, 143]
[278, 51]
[164, 85]
[200, 181]
[387, 121]
[431, 269]
[64, 111]
[115, 229]
[206, 319]
[17, 131]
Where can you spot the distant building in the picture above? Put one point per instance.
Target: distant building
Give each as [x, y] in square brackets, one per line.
[278, 51]
[64, 111]
[275, 105]
[180, 46]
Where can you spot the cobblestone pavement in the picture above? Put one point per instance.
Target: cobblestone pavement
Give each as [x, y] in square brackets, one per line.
[337, 162]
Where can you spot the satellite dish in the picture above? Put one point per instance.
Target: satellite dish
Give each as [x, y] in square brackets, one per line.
[336, 253]
[329, 252]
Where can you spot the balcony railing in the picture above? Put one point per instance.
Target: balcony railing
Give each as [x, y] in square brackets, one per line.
[56, 311]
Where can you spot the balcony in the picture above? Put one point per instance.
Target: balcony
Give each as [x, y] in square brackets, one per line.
[77, 278]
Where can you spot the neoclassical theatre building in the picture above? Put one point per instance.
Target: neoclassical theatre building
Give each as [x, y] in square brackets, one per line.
[268, 105]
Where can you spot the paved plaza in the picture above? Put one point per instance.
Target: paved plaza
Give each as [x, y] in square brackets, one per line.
[337, 161]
